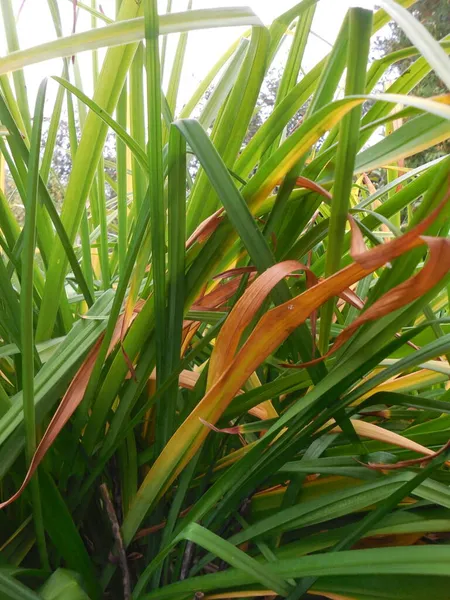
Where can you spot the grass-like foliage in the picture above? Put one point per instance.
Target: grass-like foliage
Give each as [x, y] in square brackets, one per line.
[228, 378]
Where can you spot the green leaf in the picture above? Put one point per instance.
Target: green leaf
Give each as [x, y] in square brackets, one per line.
[64, 534]
[26, 302]
[127, 30]
[360, 27]
[13, 590]
[413, 561]
[63, 584]
[156, 193]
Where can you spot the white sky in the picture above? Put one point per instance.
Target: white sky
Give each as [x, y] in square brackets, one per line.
[203, 49]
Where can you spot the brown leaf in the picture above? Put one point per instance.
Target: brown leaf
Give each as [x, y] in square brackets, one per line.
[349, 296]
[386, 252]
[405, 463]
[235, 271]
[220, 295]
[308, 184]
[358, 246]
[206, 228]
[242, 315]
[129, 363]
[231, 430]
[65, 410]
[372, 189]
[413, 288]
[67, 407]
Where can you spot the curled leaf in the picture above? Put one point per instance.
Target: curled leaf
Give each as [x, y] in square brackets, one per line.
[406, 463]
[413, 288]
[67, 407]
[232, 370]
[308, 184]
[235, 271]
[374, 432]
[237, 430]
[243, 313]
[206, 228]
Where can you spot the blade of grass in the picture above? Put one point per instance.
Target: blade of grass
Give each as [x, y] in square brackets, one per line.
[62, 530]
[235, 557]
[223, 87]
[120, 130]
[164, 42]
[110, 83]
[137, 126]
[206, 82]
[12, 40]
[413, 137]
[27, 325]
[99, 413]
[281, 24]
[12, 589]
[121, 169]
[294, 61]
[412, 561]
[374, 517]
[127, 29]
[156, 193]
[230, 128]
[175, 76]
[360, 27]
[287, 83]
[52, 211]
[176, 264]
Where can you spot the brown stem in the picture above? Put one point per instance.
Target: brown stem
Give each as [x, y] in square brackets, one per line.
[404, 463]
[115, 527]
[187, 560]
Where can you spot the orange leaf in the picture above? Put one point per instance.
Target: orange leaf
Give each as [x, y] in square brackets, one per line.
[313, 186]
[65, 410]
[206, 228]
[236, 430]
[272, 329]
[67, 406]
[235, 271]
[413, 288]
[386, 252]
[218, 296]
[242, 315]
[349, 296]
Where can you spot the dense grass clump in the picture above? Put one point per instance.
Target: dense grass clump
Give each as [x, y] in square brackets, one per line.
[224, 351]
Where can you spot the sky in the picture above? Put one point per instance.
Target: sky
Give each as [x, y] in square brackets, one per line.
[203, 49]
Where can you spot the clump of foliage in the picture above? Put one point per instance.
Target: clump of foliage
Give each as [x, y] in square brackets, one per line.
[228, 381]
